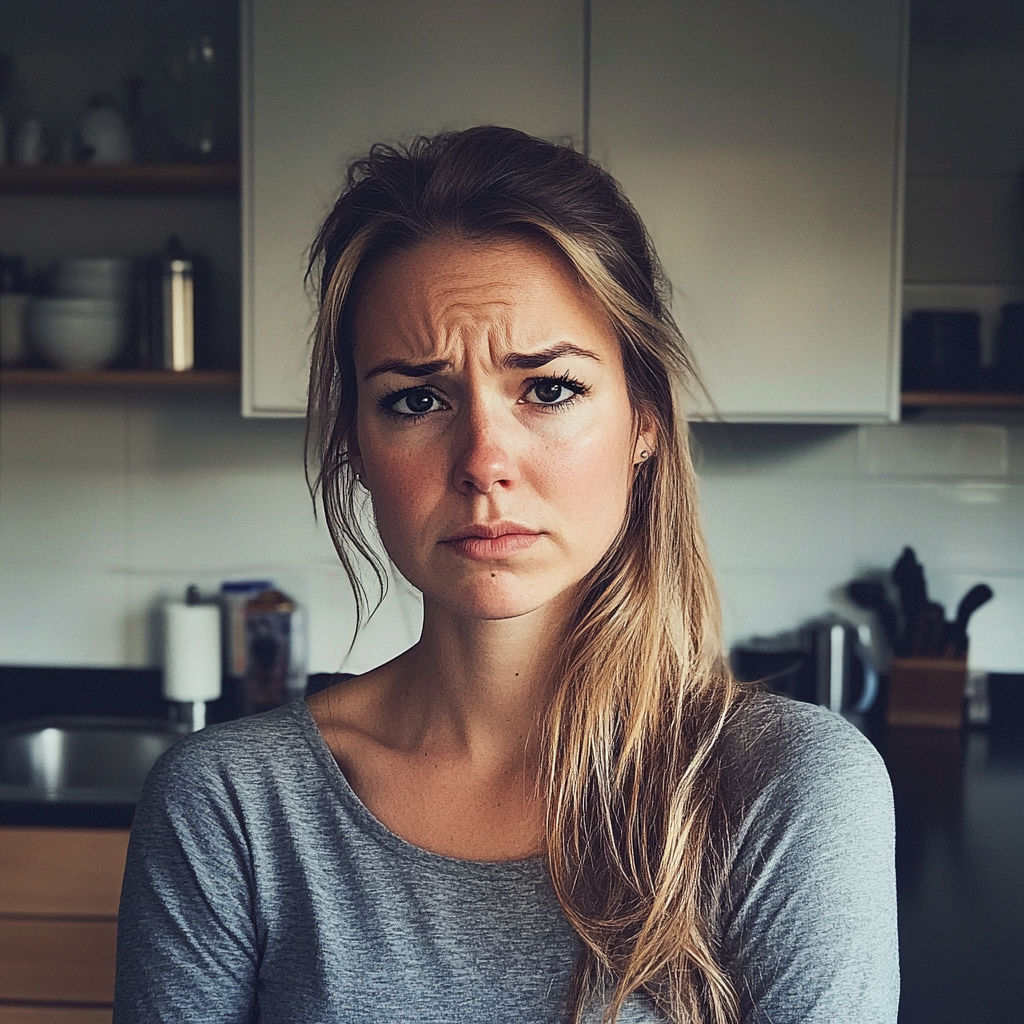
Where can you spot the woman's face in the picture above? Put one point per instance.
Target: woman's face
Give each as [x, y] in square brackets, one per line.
[493, 429]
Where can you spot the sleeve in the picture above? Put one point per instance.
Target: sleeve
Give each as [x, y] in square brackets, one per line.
[187, 946]
[811, 936]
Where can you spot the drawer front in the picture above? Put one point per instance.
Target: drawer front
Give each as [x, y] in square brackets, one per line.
[55, 1014]
[57, 961]
[73, 871]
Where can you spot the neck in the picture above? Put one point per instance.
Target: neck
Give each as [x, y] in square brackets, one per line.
[478, 686]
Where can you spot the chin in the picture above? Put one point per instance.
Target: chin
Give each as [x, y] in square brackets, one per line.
[494, 598]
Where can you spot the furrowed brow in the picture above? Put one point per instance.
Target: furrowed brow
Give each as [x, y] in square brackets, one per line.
[406, 369]
[534, 360]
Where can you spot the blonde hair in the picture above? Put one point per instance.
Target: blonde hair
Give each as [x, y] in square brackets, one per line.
[635, 830]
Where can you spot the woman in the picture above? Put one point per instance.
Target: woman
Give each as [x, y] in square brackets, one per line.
[558, 805]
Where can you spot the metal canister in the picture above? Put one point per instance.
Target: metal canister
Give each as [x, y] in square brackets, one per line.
[167, 336]
[179, 314]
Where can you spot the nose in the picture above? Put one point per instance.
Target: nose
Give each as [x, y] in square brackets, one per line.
[484, 457]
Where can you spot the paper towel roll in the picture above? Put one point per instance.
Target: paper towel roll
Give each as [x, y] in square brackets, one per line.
[192, 652]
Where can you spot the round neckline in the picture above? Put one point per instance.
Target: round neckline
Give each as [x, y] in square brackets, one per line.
[374, 827]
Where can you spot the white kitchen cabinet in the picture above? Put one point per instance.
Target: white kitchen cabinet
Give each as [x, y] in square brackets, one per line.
[325, 79]
[762, 141]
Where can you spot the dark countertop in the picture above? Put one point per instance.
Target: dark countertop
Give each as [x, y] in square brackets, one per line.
[960, 873]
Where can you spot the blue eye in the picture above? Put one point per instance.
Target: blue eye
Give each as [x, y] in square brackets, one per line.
[555, 391]
[410, 403]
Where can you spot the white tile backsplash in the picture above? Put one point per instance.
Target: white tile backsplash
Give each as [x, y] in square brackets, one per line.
[954, 450]
[778, 523]
[953, 526]
[73, 517]
[223, 520]
[111, 504]
[51, 615]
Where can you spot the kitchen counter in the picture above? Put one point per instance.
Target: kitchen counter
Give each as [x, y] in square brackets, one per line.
[960, 873]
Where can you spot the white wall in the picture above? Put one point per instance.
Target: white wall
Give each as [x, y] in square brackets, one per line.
[792, 513]
[110, 503]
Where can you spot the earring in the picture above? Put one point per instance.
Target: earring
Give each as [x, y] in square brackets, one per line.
[644, 454]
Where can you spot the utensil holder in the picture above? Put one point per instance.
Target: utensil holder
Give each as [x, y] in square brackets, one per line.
[926, 693]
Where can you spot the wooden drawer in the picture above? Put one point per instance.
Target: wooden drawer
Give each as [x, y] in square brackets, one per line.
[50, 960]
[61, 871]
[55, 1014]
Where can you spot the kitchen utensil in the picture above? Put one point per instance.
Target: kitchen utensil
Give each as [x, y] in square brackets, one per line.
[75, 333]
[955, 640]
[871, 595]
[908, 576]
[927, 635]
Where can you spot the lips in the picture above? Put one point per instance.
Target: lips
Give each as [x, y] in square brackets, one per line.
[485, 541]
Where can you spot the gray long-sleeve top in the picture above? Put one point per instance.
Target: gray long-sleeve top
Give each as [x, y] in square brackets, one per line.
[259, 888]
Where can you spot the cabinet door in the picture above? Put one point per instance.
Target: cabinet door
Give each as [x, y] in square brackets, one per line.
[61, 871]
[761, 141]
[323, 81]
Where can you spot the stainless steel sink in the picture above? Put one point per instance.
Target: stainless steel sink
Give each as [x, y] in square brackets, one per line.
[81, 760]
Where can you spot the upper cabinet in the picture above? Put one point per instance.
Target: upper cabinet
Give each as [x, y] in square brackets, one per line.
[761, 141]
[326, 79]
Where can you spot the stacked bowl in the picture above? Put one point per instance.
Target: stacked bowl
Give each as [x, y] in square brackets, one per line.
[84, 324]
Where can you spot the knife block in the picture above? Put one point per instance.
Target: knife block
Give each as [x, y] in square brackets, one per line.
[926, 693]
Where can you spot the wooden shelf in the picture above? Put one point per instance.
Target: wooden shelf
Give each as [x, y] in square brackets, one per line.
[120, 180]
[135, 380]
[961, 400]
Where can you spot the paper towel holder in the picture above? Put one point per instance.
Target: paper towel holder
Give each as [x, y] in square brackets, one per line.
[192, 658]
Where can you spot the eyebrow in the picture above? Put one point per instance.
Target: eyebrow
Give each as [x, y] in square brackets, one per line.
[513, 361]
[407, 369]
[533, 360]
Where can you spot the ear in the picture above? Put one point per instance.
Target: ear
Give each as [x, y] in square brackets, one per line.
[355, 455]
[646, 439]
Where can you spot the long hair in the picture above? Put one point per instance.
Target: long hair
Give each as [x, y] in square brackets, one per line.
[635, 840]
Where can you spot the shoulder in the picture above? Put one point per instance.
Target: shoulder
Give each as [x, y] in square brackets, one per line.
[808, 920]
[777, 743]
[797, 782]
[235, 761]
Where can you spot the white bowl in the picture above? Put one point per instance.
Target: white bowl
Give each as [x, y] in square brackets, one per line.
[78, 334]
[93, 277]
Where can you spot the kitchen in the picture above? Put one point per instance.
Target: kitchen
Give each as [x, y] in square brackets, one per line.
[114, 500]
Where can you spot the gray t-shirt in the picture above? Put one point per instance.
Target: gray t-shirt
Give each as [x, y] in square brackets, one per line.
[259, 888]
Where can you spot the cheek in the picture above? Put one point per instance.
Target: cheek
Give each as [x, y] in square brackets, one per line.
[403, 487]
[589, 476]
